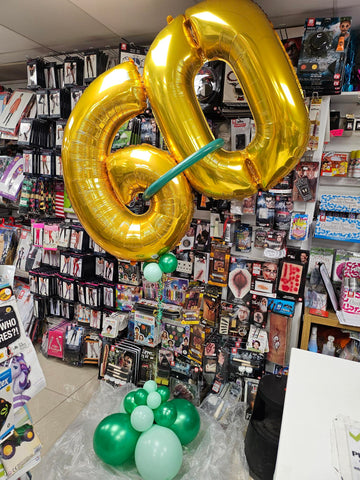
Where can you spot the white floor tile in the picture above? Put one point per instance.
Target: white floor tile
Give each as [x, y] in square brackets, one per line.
[54, 424]
[43, 403]
[84, 393]
[65, 379]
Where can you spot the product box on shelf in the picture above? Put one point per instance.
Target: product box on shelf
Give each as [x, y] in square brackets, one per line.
[338, 228]
[340, 203]
[233, 94]
[134, 52]
[350, 289]
[6, 403]
[56, 338]
[323, 54]
[334, 164]
[147, 330]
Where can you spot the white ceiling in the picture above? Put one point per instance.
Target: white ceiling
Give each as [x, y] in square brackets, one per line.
[30, 29]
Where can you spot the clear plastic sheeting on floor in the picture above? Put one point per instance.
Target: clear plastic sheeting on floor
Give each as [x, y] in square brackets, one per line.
[214, 454]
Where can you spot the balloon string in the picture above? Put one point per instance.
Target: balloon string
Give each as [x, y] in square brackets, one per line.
[180, 167]
[159, 311]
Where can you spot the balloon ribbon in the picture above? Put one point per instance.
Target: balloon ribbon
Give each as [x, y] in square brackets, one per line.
[180, 167]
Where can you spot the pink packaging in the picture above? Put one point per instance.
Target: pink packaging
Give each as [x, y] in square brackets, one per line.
[56, 340]
[350, 289]
[350, 300]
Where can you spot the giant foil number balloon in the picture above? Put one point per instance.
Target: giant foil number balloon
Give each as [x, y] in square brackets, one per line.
[238, 32]
[100, 184]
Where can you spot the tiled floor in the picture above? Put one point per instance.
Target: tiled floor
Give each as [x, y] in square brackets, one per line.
[68, 389]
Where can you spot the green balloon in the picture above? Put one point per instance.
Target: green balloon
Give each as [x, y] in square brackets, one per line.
[164, 393]
[187, 423]
[168, 263]
[141, 396]
[158, 454]
[152, 272]
[142, 418]
[153, 400]
[129, 402]
[115, 439]
[166, 414]
[150, 386]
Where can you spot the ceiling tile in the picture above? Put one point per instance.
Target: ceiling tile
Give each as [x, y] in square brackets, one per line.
[135, 19]
[11, 41]
[55, 24]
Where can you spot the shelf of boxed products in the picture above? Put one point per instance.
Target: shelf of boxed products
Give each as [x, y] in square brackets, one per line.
[330, 321]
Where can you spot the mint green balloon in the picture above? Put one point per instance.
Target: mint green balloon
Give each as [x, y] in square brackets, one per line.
[158, 454]
[153, 400]
[152, 272]
[142, 418]
[140, 396]
[166, 414]
[115, 439]
[129, 402]
[164, 393]
[150, 386]
[187, 423]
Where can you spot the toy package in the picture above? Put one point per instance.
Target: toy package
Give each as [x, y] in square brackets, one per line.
[265, 209]
[278, 333]
[27, 375]
[284, 207]
[322, 60]
[233, 94]
[239, 279]
[11, 181]
[263, 280]
[334, 164]
[122, 363]
[12, 333]
[350, 290]
[305, 181]
[300, 224]
[243, 234]
[21, 451]
[136, 53]
[17, 107]
[6, 403]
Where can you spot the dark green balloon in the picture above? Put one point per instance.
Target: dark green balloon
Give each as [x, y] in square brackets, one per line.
[115, 439]
[164, 393]
[168, 263]
[166, 414]
[141, 396]
[129, 402]
[187, 423]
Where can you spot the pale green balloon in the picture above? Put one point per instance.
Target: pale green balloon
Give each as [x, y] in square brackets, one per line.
[158, 454]
[152, 272]
[153, 400]
[142, 418]
[150, 386]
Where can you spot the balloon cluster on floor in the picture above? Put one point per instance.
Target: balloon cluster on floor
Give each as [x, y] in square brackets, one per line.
[152, 430]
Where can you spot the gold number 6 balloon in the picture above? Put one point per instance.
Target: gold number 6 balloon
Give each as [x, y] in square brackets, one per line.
[101, 184]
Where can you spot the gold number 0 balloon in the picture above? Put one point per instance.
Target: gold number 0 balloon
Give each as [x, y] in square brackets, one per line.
[100, 184]
[238, 32]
